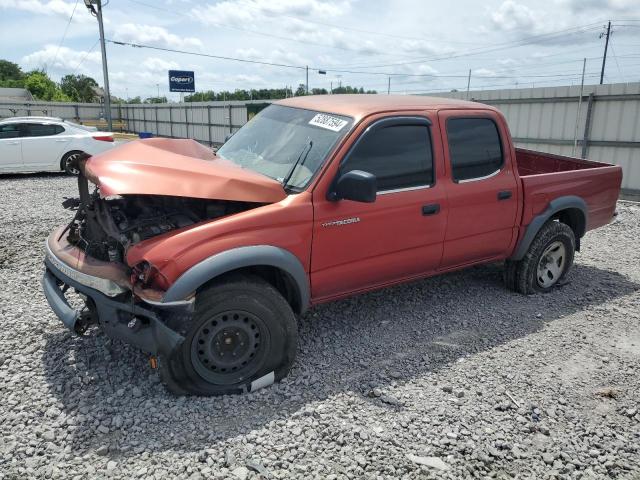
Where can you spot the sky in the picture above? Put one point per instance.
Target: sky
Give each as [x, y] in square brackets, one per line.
[416, 45]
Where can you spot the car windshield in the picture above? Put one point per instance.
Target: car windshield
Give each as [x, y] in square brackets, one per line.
[287, 144]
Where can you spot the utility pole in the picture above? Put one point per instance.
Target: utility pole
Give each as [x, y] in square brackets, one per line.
[606, 46]
[97, 12]
[468, 84]
[389, 85]
[158, 87]
[307, 69]
[575, 134]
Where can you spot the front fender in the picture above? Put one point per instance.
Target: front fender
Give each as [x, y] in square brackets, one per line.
[241, 257]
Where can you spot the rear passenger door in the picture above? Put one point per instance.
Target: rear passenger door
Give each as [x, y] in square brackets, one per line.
[363, 245]
[43, 145]
[481, 187]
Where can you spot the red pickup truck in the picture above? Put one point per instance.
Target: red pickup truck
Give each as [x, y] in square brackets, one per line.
[204, 260]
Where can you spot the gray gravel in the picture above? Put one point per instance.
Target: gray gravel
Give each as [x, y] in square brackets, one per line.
[451, 377]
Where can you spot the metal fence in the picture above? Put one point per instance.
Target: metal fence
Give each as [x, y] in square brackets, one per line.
[206, 122]
[605, 125]
[608, 122]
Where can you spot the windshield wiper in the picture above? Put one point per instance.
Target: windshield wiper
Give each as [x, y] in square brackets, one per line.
[300, 161]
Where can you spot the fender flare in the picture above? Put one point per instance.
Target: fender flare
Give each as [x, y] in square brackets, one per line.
[555, 206]
[229, 260]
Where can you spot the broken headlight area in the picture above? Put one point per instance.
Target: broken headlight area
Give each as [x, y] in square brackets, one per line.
[105, 227]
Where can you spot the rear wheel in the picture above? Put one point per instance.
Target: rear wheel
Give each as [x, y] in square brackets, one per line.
[243, 336]
[546, 263]
[69, 163]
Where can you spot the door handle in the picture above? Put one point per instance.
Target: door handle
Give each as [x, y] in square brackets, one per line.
[505, 195]
[431, 209]
[60, 140]
[13, 143]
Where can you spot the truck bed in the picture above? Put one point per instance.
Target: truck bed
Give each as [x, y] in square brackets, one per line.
[531, 162]
[546, 177]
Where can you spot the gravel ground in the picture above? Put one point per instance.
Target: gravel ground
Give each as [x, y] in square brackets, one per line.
[450, 377]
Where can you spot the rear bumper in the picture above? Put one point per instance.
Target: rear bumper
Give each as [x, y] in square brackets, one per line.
[151, 327]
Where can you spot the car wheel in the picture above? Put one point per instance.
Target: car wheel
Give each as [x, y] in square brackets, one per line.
[69, 163]
[546, 263]
[243, 336]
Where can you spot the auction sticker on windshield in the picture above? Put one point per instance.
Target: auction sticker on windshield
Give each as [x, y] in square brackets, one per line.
[323, 120]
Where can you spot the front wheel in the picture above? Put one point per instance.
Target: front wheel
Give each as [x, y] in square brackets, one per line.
[546, 263]
[243, 336]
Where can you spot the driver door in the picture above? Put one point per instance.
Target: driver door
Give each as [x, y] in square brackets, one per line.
[358, 246]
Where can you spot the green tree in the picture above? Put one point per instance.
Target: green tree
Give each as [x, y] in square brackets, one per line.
[79, 88]
[11, 75]
[40, 85]
[134, 100]
[10, 71]
[156, 100]
[301, 90]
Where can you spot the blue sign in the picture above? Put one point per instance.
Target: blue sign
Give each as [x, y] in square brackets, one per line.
[181, 81]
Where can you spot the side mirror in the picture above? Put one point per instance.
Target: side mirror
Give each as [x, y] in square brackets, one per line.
[355, 185]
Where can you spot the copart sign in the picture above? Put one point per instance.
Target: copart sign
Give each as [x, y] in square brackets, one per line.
[181, 81]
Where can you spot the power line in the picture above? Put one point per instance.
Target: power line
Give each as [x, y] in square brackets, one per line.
[615, 57]
[86, 54]
[301, 67]
[506, 46]
[219, 57]
[64, 35]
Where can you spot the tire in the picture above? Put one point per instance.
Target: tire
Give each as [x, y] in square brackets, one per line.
[243, 331]
[66, 164]
[546, 263]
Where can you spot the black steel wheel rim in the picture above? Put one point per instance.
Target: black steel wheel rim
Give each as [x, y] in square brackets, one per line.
[229, 347]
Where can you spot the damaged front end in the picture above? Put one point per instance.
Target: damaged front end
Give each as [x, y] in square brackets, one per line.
[89, 254]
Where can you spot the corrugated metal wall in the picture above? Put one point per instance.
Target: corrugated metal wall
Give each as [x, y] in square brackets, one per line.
[207, 122]
[545, 119]
[540, 118]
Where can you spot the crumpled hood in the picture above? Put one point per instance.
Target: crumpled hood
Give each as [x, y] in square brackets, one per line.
[181, 168]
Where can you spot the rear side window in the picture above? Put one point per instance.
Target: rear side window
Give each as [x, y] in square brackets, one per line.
[11, 130]
[475, 148]
[399, 156]
[42, 129]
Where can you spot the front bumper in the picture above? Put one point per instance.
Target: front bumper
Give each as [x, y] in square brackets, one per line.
[153, 327]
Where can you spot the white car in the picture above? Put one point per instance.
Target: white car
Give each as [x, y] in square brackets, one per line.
[47, 144]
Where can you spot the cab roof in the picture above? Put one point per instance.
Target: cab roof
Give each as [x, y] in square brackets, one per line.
[361, 105]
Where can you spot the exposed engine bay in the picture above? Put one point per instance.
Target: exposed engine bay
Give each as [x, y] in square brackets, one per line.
[104, 228]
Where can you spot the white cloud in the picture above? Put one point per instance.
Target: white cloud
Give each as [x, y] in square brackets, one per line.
[631, 6]
[242, 11]
[51, 7]
[66, 60]
[484, 72]
[155, 64]
[513, 16]
[136, 33]
[276, 55]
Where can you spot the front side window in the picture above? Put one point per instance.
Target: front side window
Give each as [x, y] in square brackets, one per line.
[42, 130]
[11, 130]
[287, 144]
[399, 156]
[474, 147]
